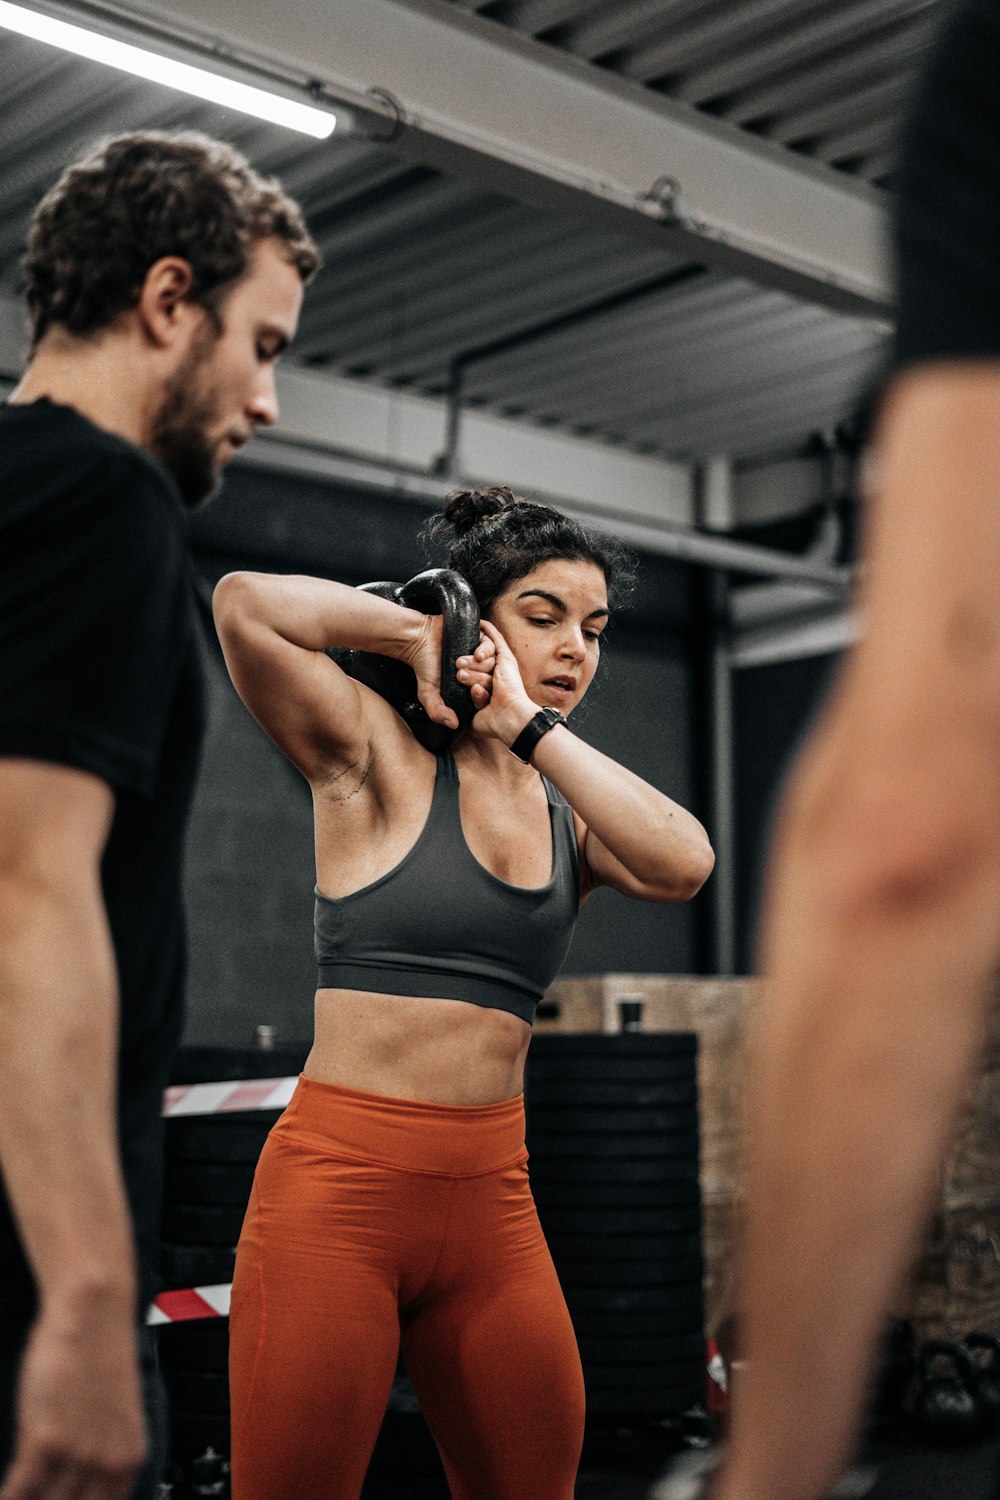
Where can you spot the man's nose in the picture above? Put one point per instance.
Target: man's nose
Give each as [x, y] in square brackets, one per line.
[263, 405]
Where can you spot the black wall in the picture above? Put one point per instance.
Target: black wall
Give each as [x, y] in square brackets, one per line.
[250, 870]
[773, 708]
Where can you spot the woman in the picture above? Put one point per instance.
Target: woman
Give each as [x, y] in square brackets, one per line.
[391, 1202]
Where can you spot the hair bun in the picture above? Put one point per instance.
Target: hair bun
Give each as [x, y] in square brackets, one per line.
[464, 509]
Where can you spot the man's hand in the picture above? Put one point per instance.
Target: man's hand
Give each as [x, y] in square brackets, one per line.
[80, 1425]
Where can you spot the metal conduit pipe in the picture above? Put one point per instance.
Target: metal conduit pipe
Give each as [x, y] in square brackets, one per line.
[705, 550]
[685, 543]
[723, 806]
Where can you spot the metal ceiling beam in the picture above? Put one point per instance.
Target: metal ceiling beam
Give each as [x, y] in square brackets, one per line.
[822, 635]
[557, 132]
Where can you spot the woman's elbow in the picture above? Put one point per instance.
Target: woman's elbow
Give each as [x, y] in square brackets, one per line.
[687, 874]
[699, 865]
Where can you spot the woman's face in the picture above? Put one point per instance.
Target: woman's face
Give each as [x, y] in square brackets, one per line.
[552, 619]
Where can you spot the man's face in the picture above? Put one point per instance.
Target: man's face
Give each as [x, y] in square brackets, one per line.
[223, 389]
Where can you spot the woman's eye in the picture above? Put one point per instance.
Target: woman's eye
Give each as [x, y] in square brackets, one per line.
[540, 620]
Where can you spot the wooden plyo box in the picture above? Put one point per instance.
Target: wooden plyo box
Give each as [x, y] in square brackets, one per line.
[955, 1283]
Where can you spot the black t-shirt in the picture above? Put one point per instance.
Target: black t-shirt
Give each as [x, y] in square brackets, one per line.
[948, 214]
[100, 670]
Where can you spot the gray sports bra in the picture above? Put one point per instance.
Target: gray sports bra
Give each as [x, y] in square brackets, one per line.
[440, 924]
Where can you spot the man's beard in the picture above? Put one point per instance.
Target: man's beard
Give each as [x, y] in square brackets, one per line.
[180, 436]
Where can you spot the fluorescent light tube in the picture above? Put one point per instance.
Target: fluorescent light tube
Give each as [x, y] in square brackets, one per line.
[176, 75]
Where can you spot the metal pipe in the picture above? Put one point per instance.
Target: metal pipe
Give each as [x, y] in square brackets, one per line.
[426, 486]
[723, 882]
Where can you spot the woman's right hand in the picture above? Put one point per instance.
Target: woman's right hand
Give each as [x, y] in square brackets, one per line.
[424, 657]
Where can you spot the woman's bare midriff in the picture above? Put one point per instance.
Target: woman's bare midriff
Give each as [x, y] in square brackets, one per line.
[405, 1047]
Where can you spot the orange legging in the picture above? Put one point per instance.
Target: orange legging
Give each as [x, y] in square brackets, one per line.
[376, 1221]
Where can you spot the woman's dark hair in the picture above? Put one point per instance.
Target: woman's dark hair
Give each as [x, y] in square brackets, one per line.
[495, 537]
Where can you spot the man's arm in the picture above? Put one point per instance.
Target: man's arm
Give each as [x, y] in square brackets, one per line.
[79, 1412]
[881, 934]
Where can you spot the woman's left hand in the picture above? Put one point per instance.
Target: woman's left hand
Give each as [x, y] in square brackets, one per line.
[508, 707]
[476, 671]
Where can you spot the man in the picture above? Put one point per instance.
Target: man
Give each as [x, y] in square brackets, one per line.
[882, 921]
[164, 278]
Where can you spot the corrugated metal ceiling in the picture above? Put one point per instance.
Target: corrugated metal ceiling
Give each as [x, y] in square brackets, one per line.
[823, 79]
[430, 280]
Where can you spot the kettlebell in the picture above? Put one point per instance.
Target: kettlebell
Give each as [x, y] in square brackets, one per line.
[946, 1404]
[209, 1476]
[437, 591]
[985, 1351]
[893, 1374]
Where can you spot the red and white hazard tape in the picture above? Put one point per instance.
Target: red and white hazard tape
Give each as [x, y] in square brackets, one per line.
[192, 1302]
[187, 1099]
[223, 1098]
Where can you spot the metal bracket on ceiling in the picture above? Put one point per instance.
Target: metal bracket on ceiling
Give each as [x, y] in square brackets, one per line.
[667, 202]
[376, 115]
[383, 127]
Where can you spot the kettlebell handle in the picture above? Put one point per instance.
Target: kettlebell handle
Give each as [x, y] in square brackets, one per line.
[963, 1366]
[437, 591]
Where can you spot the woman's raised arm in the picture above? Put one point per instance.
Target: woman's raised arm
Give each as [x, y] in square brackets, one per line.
[275, 629]
[636, 839]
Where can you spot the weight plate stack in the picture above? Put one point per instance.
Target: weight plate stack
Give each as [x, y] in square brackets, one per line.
[210, 1161]
[405, 1449]
[613, 1143]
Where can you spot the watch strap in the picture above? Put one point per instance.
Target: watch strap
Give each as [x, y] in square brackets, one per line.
[545, 719]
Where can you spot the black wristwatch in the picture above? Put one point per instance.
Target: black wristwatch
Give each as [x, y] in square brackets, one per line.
[545, 719]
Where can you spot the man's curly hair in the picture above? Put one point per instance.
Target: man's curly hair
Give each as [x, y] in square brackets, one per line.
[137, 198]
